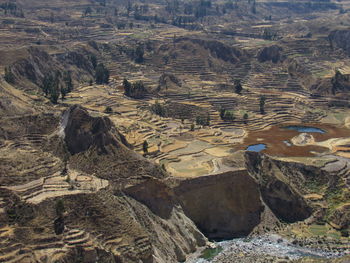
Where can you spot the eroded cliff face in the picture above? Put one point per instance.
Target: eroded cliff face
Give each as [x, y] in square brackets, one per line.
[81, 131]
[30, 69]
[340, 39]
[338, 84]
[272, 53]
[340, 217]
[278, 188]
[173, 233]
[223, 206]
[217, 49]
[98, 200]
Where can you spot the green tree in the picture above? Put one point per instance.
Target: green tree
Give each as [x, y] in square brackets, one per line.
[67, 78]
[88, 11]
[229, 115]
[54, 95]
[127, 87]
[203, 120]
[253, 9]
[68, 178]
[59, 207]
[245, 117]
[145, 147]
[52, 17]
[139, 53]
[55, 88]
[198, 120]
[262, 104]
[108, 109]
[93, 61]
[9, 76]
[135, 90]
[158, 109]
[64, 92]
[138, 90]
[51, 87]
[207, 120]
[238, 87]
[102, 74]
[47, 84]
[192, 127]
[128, 8]
[222, 113]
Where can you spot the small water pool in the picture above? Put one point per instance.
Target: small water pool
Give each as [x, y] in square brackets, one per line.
[301, 128]
[256, 147]
[287, 143]
[211, 253]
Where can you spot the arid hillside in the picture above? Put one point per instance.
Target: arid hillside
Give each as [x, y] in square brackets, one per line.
[150, 131]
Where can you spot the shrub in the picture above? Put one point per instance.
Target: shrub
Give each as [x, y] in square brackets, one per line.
[59, 207]
[108, 109]
[158, 109]
[238, 87]
[145, 147]
[245, 117]
[9, 76]
[135, 90]
[262, 104]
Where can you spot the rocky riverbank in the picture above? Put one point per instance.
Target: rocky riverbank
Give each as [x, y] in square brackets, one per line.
[267, 248]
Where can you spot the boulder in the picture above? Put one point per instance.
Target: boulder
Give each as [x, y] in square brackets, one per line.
[303, 139]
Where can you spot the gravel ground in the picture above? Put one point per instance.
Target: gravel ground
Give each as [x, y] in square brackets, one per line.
[266, 248]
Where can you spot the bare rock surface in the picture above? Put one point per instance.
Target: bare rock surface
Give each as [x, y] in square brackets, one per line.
[303, 139]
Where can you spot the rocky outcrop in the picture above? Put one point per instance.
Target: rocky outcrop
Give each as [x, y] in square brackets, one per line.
[97, 147]
[340, 39]
[81, 131]
[337, 84]
[340, 218]
[29, 71]
[298, 70]
[217, 49]
[303, 139]
[277, 191]
[272, 53]
[168, 81]
[156, 195]
[173, 234]
[222, 206]
[340, 82]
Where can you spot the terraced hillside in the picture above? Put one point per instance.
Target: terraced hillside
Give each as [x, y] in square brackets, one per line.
[145, 131]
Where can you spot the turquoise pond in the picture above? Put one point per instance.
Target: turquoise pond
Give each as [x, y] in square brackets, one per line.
[299, 128]
[256, 147]
[306, 129]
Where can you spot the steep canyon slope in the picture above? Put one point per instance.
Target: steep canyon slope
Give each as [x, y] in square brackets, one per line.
[124, 127]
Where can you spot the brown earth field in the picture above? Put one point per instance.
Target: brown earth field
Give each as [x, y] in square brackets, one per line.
[275, 136]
